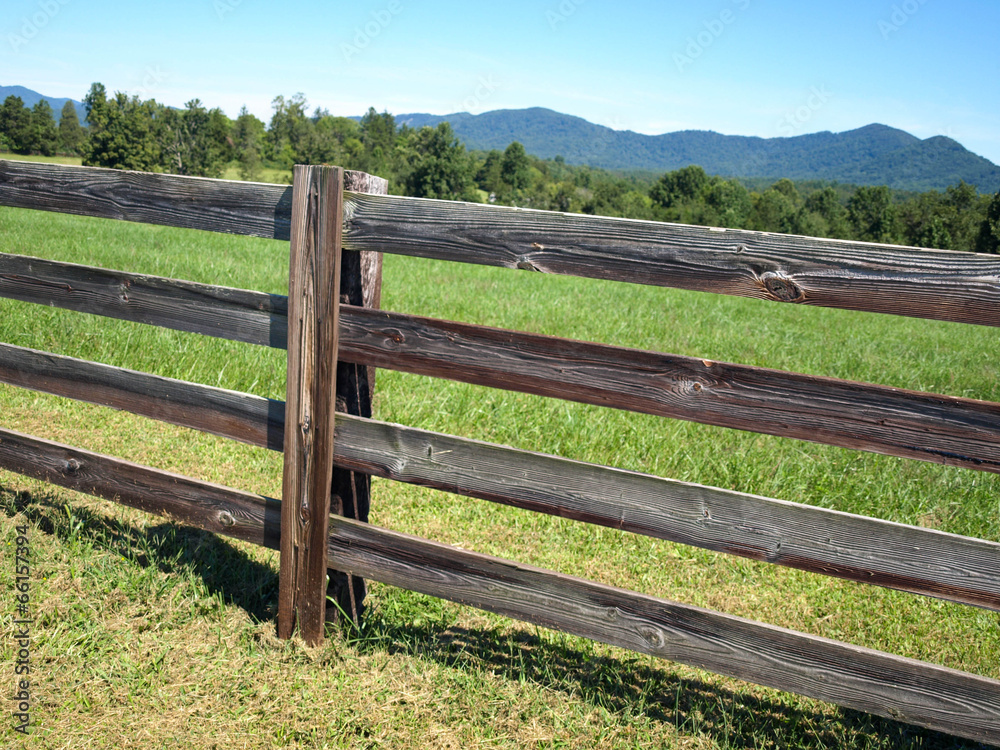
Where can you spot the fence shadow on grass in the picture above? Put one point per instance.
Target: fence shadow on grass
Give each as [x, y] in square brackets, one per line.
[226, 570]
[625, 685]
[628, 685]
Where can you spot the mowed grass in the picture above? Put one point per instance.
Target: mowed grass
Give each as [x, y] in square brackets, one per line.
[149, 634]
[230, 172]
[71, 160]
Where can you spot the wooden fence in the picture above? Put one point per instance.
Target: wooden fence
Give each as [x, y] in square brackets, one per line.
[320, 216]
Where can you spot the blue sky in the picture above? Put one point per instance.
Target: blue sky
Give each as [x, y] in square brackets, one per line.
[747, 67]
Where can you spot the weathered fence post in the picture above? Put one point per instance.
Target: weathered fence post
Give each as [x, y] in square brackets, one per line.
[313, 323]
[361, 286]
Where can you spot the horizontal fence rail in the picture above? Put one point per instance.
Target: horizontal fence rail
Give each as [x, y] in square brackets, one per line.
[224, 312]
[958, 287]
[937, 284]
[858, 548]
[904, 689]
[247, 208]
[909, 424]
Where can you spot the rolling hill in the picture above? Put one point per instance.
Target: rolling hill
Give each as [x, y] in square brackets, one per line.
[31, 98]
[871, 155]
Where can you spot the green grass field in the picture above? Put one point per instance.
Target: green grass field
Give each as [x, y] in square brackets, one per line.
[231, 172]
[148, 634]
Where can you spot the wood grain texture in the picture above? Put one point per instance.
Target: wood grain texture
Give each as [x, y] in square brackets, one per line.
[239, 416]
[313, 326]
[916, 282]
[921, 283]
[910, 424]
[361, 286]
[223, 312]
[884, 684]
[254, 209]
[248, 208]
[222, 510]
[862, 549]
[928, 427]
[819, 540]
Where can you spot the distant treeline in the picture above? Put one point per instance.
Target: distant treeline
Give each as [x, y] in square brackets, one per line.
[125, 132]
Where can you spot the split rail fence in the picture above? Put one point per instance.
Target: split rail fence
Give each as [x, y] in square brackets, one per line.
[338, 225]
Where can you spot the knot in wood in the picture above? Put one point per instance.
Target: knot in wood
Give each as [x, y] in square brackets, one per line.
[652, 635]
[71, 466]
[693, 385]
[781, 288]
[393, 338]
[526, 265]
[226, 519]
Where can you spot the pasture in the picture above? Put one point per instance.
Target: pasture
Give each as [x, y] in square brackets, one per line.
[154, 635]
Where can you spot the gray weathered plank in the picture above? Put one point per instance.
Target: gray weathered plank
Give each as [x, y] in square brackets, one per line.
[219, 509]
[884, 684]
[239, 416]
[248, 208]
[916, 282]
[224, 312]
[823, 541]
[867, 550]
[361, 286]
[923, 426]
[876, 682]
[922, 283]
[313, 330]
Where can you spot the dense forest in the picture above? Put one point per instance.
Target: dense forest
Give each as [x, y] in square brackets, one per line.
[125, 132]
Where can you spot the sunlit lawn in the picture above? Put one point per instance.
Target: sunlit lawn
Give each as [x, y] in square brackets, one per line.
[149, 634]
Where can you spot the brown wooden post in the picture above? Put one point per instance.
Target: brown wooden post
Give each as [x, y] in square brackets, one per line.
[361, 286]
[313, 326]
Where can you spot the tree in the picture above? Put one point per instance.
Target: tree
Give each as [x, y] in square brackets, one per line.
[442, 168]
[124, 131]
[488, 176]
[565, 197]
[289, 130]
[924, 221]
[773, 211]
[248, 142]
[71, 133]
[608, 198]
[826, 205]
[935, 234]
[635, 204]
[872, 215]
[28, 131]
[95, 99]
[988, 239]
[962, 215]
[332, 140]
[15, 124]
[679, 186]
[787, 188]
[727, 204]
[44, 135]
[378, 135]
[515, 167]
[195, 140]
